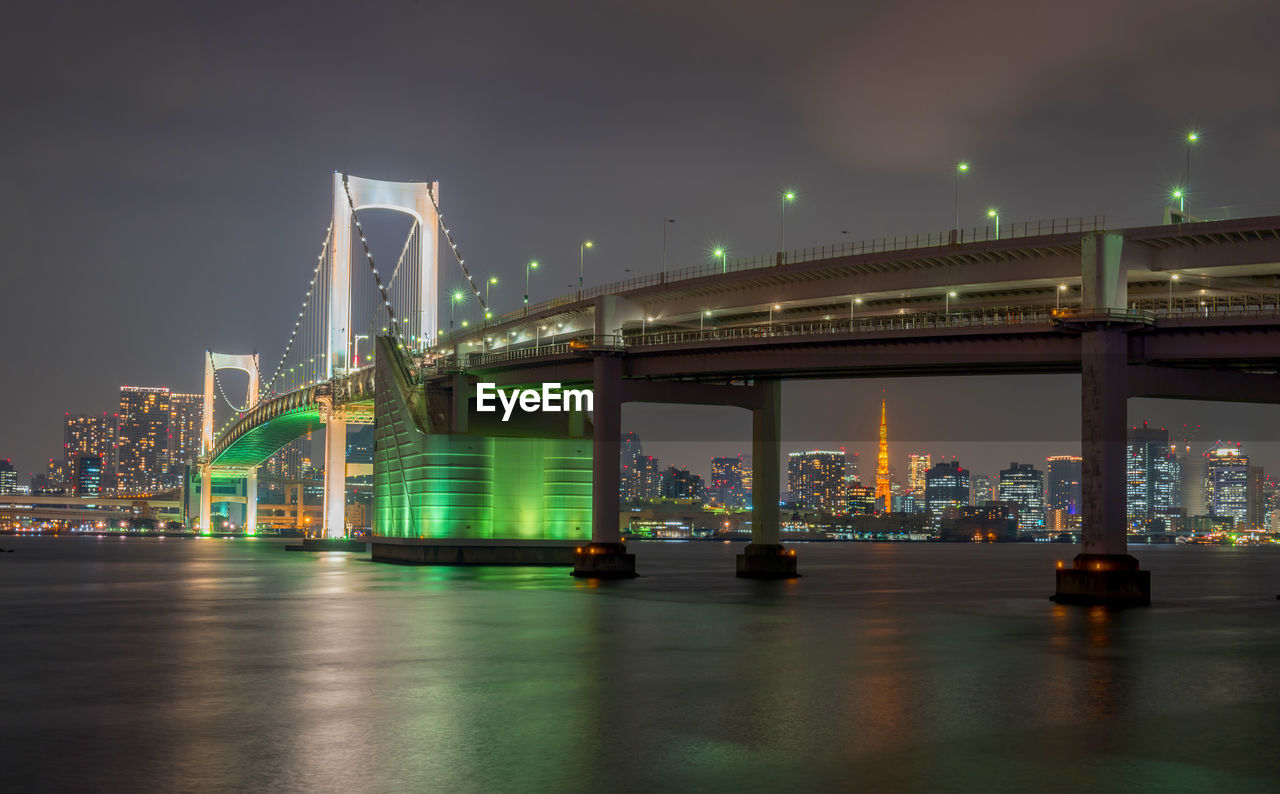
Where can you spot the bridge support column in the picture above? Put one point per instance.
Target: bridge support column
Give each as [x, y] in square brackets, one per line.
[206, 498]
[251, 502]
[765, 557]
[605, 557]
[335, 477]
[1104, 572]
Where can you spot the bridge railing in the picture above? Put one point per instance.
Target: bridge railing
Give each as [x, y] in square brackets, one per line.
[1014, 230]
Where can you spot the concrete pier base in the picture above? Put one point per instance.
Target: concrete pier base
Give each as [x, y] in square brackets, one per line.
[1108, 579]
[604, 561]
[767, 561]
[328, 544]
[424, 551]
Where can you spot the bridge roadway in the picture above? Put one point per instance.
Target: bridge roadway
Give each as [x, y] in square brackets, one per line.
[1185, 311]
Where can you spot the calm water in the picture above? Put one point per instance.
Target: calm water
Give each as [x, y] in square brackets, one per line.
[149, 664]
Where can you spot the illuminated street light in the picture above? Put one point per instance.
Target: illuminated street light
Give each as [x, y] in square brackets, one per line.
[1058, 296]
[701, 318]
[454, 300]
[787, 197]
[950, 294]
[1181, 197]
[853, 302]
[995, 213]
[582, 255]
[534, 266]
[1172, 278]
[720, 252]
[775, 307]
[1192, 137]
[961, 167]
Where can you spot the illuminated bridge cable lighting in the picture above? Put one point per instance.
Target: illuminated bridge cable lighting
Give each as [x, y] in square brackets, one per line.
[217, 379]
[453, 246]
[318, 273]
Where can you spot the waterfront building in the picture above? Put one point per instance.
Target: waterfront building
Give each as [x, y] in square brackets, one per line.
[946, 485]
[917, 466]
[726, 486]
[1064, 475]
[983, 489]
[859, 500]
[142, 439]
[8, 477]
[681, 484]
[1153, 477]
[1023, 485]
[186, 413]
[629, 487]
[815, 480]
[1228, 483]
[88, 477]
[87, 435]
[1191, 480]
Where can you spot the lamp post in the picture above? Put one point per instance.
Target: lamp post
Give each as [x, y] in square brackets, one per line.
[1181, 197]
[582, 256]
[665, 221]
[1192, 137]
[534, 266]
[488, 312]
[701, 318]
[852, 302]
[1172, 278]
[775, 307]
[1057, 303]
[643, 321]
[787, 197]
[995, 213]
[960, 169]
[454, 300]
[724, 267]
[950, 294]
[355, 350]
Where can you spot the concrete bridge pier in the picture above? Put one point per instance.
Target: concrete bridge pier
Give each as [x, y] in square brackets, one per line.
[251, 501]
[765, 557]
[1104, 572]
[606, 556]
[335, 475]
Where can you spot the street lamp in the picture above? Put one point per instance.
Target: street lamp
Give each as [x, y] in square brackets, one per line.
[665, 221]
[488, 311]
[701, 318]
[582, 255]
[724, 268]
[1057, 303]
[1172, 278]
[355, 349]
[995, 213]
[950, 294]
[454, 300]
[1181, 197]
[787, 197]
[643, 321]
[1192, 137]
[534, 266]
[775, 307]
[960, 169]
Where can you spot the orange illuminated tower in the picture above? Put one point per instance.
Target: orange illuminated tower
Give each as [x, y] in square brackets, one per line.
[882, 464]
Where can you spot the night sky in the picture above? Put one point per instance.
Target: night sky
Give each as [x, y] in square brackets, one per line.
[168, 169]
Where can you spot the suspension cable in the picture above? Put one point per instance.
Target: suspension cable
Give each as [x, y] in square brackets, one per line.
[218, 380]
[453, 245]
[324, 247]
[386, 300]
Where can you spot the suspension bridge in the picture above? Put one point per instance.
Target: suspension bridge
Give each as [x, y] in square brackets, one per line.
[1181, 309]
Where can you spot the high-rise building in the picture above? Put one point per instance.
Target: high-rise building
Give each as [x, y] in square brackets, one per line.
[917, 467]
[1153, 479]
[726, 487]
[681, 484]
[650, 476]
[1023, 485]
[859, 500]
[884, 498]
[1228, 483]
[1064, 474]
[629, 474]
[1257, 498]
[8, 477]
[186, 412]
[88, 435]
[816, 480]
[88, 480]
[983, 489]
[1192, 476]
[142, 439]
[946, 485]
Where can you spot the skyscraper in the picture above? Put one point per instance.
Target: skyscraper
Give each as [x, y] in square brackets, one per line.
[1153, 480]
[185, 414]
[88, 436]
[917, 467]
[650, 476]
[946, 485]
[983, 489]
[816, 480]
[629, 473]
[726, 487]
[1023, 485]
[681, 484]
[1228, 480]
[884, 497]
[1064, 483]
[8, 477]
[142, 439]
